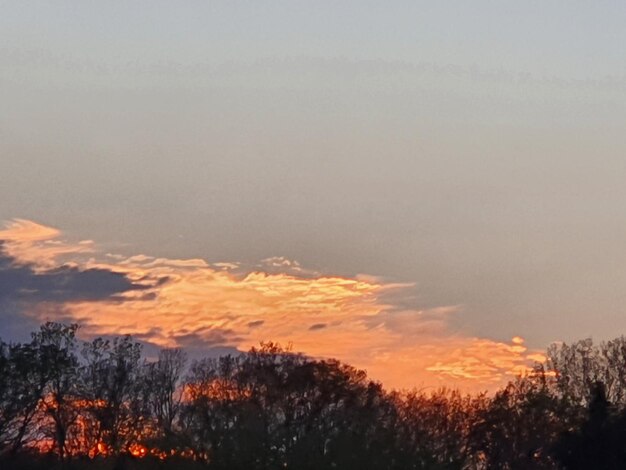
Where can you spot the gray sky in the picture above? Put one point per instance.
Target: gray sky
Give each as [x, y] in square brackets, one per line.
[475, 149]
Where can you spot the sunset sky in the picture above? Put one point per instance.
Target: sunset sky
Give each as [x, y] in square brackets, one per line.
[432, 191]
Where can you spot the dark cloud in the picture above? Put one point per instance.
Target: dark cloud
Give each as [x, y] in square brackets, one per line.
[317, 326]
[19, 319]
[256, 323]
[23, 290]
[208, 342]
[207, 337]
[14, 325]
[21, 283]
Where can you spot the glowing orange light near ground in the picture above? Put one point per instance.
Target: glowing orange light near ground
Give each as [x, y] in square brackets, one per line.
[137, 450]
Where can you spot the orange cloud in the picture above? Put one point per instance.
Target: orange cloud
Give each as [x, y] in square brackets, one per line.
[30, 242]
[196, 304]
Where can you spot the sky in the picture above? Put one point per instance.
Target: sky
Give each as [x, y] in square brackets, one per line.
[432, 191]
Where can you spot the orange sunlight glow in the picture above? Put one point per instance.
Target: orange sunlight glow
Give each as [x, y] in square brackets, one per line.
[138, 450]
[196, 304]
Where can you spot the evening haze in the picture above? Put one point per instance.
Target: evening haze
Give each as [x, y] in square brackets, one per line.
[433, 191]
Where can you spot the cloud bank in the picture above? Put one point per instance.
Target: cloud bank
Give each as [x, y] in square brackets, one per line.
[222, 306]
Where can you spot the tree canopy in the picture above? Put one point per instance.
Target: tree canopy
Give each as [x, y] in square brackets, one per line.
[67, 403]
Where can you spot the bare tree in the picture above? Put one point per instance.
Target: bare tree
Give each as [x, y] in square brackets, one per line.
[164, 388]
[56, 345]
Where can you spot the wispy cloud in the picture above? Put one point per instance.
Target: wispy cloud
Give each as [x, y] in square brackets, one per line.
[202, 306]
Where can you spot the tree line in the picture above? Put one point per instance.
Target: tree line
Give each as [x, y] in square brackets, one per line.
[66, 403]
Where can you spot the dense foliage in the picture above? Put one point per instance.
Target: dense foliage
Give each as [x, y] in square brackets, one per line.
[101, 404]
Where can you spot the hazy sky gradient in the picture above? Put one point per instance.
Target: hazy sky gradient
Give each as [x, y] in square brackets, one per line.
[475, 149]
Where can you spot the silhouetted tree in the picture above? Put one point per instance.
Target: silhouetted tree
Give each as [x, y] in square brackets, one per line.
[580, 365]
[435, 428]
[22, 382]
[112, 390]
[56, 347]
[599, 441]
[163, 392]
[271, 409]
[521, 424]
